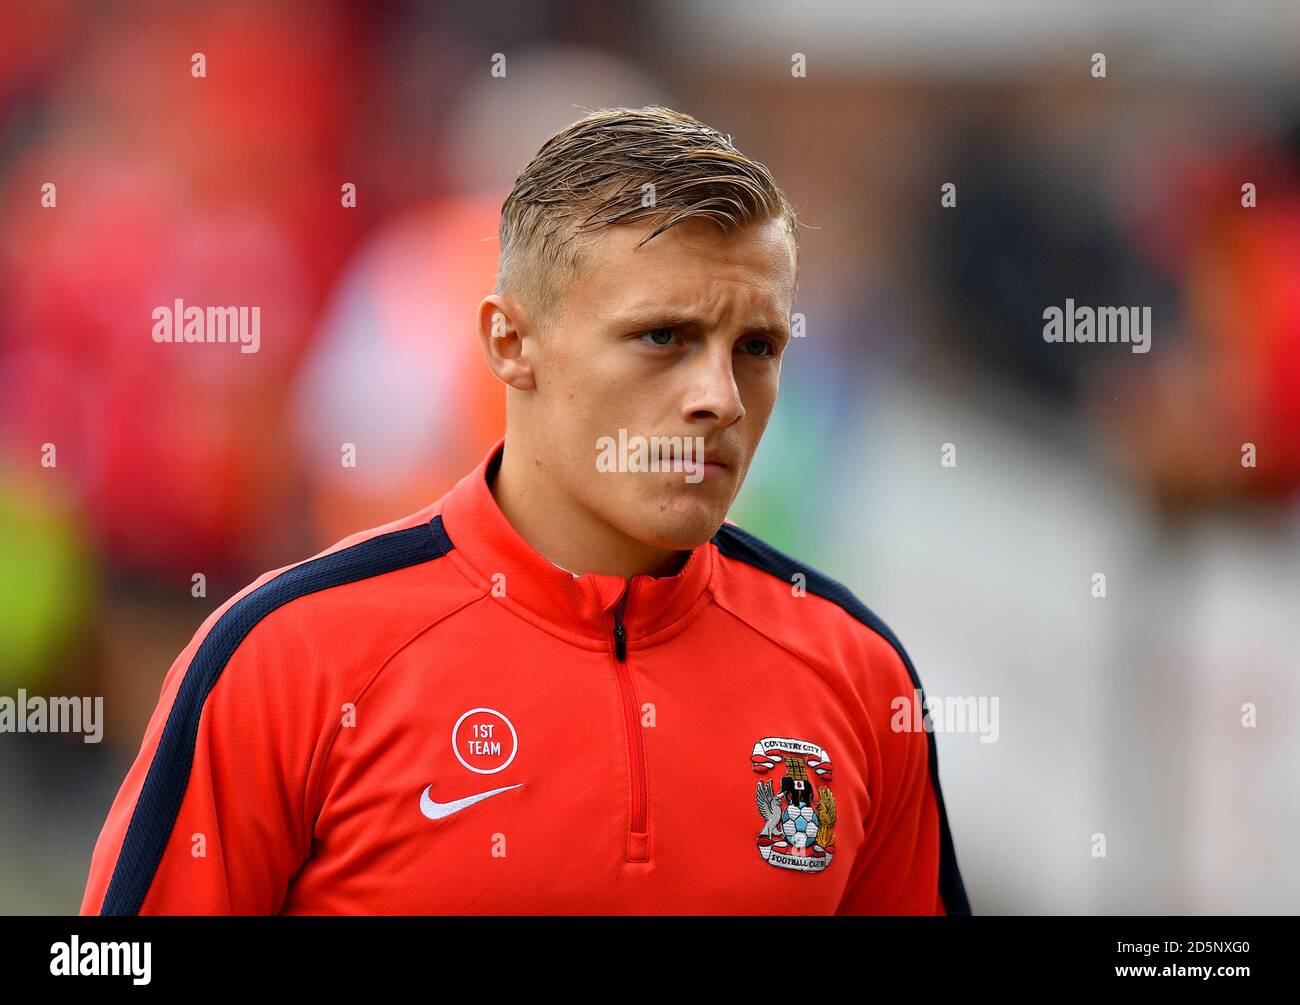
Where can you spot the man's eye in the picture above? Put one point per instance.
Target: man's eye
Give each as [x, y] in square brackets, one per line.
[655, 334]
[759, 347]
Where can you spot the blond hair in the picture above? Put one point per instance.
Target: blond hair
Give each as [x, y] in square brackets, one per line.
[618, 166]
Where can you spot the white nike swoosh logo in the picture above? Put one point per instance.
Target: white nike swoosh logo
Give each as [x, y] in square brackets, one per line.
[436, 811]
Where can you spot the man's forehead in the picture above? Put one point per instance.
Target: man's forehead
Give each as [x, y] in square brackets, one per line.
[759, 253]
[697, 234]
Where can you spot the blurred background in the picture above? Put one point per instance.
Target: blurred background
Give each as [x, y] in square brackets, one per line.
[1118, 715]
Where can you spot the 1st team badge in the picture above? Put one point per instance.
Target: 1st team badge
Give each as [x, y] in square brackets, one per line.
[484, 741]
[796, 804]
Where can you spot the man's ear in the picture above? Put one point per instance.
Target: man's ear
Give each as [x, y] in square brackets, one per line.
[502, 325]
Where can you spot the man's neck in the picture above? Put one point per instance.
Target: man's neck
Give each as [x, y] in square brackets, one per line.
[565, 533]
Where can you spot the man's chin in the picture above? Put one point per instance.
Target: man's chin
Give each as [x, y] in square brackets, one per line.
[679, 524]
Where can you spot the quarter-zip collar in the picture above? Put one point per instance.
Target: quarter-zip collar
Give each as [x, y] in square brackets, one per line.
[577, 608]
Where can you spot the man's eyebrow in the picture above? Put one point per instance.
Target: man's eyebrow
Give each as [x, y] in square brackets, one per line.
[649, 321]
[775, 331]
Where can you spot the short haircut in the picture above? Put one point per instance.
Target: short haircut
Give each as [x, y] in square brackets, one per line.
[597, 173]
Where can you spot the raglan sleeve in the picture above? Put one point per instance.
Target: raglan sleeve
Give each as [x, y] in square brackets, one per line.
[211, 818]
[898, 868]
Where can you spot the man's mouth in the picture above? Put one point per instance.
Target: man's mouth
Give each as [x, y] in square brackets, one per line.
[695, 465]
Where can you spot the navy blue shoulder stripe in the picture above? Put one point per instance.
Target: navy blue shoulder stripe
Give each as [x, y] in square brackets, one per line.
[745, 547]
[169, 773]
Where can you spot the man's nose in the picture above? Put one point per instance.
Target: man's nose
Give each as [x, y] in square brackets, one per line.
[714, 393]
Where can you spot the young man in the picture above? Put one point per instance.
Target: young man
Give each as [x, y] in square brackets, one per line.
[567, 686]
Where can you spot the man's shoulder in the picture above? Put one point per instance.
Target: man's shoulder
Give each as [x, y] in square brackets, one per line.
[377, 562]
[368, 587]
[799, 605]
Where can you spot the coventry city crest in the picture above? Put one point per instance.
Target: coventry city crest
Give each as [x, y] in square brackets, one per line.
[798, 813]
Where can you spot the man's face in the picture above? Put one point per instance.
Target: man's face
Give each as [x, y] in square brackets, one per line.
[680, 338]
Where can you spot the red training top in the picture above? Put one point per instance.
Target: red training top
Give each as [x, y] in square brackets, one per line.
[431, 718]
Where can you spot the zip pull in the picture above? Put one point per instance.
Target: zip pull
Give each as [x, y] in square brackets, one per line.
[620, 632]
